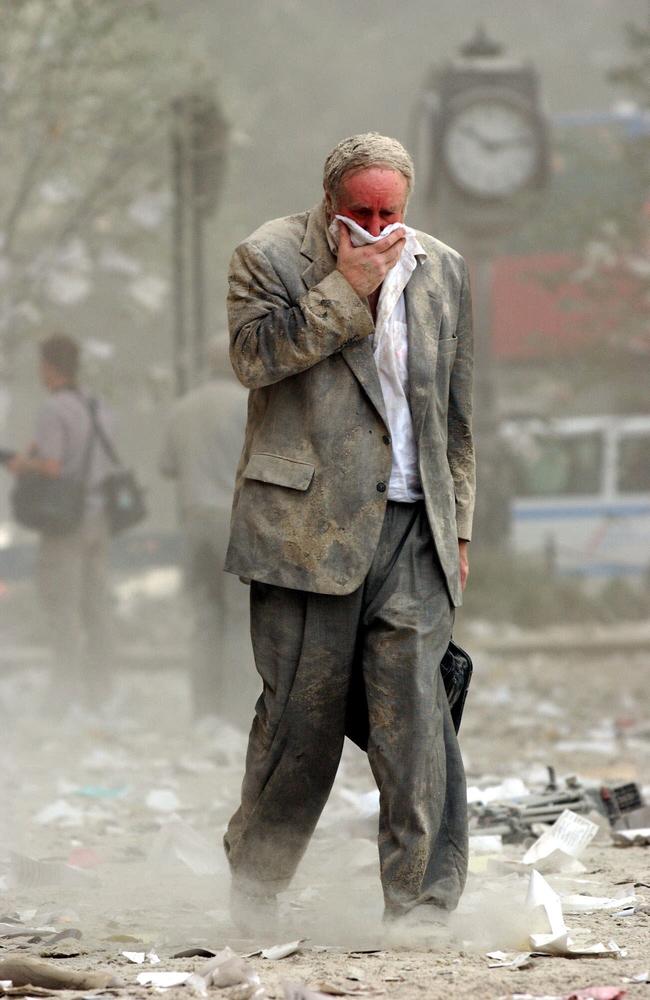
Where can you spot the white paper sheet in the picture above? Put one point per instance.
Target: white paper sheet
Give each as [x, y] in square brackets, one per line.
[565, 841]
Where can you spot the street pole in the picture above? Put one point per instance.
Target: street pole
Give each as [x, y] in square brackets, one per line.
[493, 512]
[198, 144]
[178, 265]
[198, 274]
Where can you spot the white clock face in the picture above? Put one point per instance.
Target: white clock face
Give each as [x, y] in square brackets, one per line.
[491, 149]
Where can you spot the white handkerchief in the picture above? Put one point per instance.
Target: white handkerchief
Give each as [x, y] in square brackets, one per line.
[360, 236]
[399, 275]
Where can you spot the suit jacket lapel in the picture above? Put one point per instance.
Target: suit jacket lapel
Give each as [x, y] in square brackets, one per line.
[322, 262]
[423, 296]
[362, 362]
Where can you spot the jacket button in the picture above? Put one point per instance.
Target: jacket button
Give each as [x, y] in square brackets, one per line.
[386, 439]
[381, 487]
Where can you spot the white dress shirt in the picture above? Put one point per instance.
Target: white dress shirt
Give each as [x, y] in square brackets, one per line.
[390, 348]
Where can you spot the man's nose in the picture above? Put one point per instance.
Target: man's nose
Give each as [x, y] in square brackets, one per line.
[374, 226]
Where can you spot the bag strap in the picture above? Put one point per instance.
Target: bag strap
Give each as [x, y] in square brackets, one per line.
[88, 450]
[99, 431]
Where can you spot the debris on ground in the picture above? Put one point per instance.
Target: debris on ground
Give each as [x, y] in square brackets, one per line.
[111, 880]
[279, 951]
[21, 970]
[497, 811]
[558, 940]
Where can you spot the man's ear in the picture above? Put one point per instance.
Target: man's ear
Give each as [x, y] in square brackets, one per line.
[330, 209]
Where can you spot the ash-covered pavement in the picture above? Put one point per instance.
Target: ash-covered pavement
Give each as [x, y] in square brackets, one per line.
[111, 826]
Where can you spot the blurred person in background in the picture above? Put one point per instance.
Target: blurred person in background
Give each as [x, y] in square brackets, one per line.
[202, 443]
[352, 515]
[72, 569]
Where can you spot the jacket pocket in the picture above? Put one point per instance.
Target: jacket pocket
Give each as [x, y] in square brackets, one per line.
[279, 471]
[448, 345]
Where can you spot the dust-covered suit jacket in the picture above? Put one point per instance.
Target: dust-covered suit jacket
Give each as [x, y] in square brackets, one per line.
[312, 481]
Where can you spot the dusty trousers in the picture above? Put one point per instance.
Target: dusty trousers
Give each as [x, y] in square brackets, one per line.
[74, 591]
[394, 629]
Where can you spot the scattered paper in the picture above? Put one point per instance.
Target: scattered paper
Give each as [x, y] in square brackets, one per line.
[503, 960]
[541, 896]
[564, 841]
[140, 957]
[60, 812]
[163, 979]
[279, 951]
[15, 930]
[588, 904]
[632, 838]
[487, 843]
[163, 800]
[511, 788]
[227, 969]
[640, 977]
[199, 987]
[557, 940]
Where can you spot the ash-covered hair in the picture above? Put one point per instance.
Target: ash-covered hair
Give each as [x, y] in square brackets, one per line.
[370, 149]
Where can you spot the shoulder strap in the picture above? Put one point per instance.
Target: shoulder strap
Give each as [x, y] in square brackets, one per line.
[99, 431]
[88, 450]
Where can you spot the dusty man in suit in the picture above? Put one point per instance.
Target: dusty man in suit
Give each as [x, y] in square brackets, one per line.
[351, 518]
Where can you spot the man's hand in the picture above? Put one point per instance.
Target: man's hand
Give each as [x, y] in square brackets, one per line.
[463, 555]
[20, 465]
[366, 267]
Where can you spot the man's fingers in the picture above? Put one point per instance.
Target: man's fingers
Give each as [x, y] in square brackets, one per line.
[391, 259]
[344, 236]
[383, 246]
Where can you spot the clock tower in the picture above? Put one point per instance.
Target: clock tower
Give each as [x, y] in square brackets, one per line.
[489, 170]
[490, 144]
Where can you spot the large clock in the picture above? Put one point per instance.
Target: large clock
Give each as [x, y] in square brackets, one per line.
[492, 146]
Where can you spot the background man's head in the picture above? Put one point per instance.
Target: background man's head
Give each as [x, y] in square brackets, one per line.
[368, 178]
[59, 357]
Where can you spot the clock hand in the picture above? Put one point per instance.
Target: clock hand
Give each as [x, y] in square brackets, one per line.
[516, 140]
[473, 133]
[493, 145]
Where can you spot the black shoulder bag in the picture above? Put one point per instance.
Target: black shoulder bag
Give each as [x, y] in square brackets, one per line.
[456, 669]
[52, 505]
[123, 496]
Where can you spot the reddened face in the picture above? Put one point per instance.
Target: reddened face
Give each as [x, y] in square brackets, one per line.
[374, 197]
